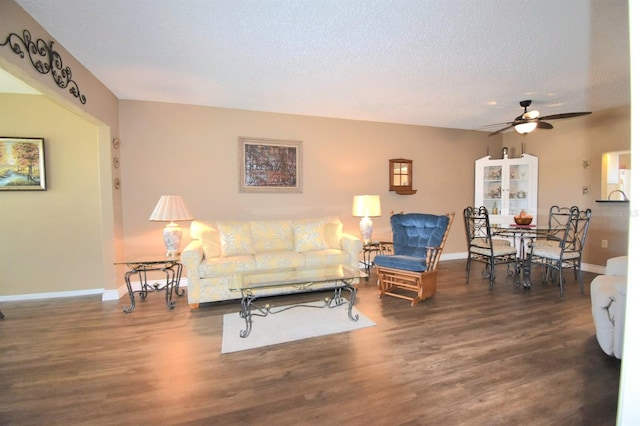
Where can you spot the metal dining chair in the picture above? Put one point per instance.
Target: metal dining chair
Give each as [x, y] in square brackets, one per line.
[558, 219]
[567, 253]
[482, 247]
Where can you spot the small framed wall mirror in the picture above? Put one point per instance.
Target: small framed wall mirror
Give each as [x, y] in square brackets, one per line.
[616, 176]
[401, 176]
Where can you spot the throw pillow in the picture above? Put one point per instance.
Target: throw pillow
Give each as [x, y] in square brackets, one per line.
[210, 240]
[272, 235]
[309, 236]
[235, 238]
[333, 235]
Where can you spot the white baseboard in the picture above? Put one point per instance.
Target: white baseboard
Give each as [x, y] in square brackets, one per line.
[52, 295]
[107, 295]
[593, 268]
[453, 256]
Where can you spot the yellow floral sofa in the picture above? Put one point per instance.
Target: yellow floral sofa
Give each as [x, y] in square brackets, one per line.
[222, 250]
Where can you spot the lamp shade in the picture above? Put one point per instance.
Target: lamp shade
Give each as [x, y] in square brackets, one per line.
[528, 127]
[170, 208]
[366, 206]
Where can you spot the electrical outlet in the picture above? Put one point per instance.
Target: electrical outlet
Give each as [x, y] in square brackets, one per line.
[605, 244]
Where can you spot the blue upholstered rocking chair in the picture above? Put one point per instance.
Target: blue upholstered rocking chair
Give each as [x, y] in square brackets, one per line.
[418, 240]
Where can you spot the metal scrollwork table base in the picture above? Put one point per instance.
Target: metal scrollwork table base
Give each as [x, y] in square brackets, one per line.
[170, 266]
[302, 280]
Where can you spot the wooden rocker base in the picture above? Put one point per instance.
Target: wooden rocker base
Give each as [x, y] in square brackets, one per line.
[423, 283]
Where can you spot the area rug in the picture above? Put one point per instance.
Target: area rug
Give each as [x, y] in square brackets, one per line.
[293, 324]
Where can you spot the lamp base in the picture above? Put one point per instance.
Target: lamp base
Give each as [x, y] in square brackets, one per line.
[366, 229]
[172, 239]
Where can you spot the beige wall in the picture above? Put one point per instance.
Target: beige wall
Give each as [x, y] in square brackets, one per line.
[51, 239]
[100, 110]
[561, 175]
[193, 151]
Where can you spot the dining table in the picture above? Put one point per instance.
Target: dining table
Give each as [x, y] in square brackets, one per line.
[523, 236]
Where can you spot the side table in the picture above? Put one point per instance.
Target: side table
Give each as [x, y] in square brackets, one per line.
[375, 248]
[140, 265]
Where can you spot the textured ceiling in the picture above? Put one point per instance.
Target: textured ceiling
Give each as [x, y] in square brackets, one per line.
[446, 63]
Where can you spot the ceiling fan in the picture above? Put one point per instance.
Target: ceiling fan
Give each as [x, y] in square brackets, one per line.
[528, 121]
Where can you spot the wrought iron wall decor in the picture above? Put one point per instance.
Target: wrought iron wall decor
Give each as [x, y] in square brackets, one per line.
[45, 60]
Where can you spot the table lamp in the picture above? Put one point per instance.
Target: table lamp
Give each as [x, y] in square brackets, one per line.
[366, 207]
[171, 208]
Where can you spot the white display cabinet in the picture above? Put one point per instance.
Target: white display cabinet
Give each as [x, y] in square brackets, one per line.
[506, 187]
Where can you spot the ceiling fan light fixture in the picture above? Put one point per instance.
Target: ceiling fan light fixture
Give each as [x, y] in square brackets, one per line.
[528, 127]
[528, 121]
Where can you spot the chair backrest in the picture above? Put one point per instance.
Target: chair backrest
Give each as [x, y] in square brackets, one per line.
[559, 216]
[576, 230]
[477, 226]
[414, 232]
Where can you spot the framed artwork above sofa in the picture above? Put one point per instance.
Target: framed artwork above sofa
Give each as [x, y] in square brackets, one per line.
[269, 165]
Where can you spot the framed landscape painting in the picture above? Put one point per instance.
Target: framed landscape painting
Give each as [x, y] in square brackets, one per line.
[22, 164]
[270, 165]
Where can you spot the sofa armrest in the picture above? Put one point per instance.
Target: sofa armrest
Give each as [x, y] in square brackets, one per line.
[191, 258]
[352, 245]
[192, 254]
[617, 266]
[619, 314]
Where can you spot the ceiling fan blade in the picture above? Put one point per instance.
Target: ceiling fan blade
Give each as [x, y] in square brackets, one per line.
[544, 125]
[565, 115]
[501, 130]
[496, 124]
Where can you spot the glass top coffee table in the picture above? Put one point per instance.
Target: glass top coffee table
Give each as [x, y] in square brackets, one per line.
[300, 280]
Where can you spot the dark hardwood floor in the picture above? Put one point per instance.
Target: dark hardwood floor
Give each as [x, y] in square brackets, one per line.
[468, 356]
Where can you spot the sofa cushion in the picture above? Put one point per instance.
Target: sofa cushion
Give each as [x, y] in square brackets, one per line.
[398, 261]
[309, 235]
[210, 239]
[235, 238]
[326, 257]
[279, 260]
[221, 266]
[272, 235]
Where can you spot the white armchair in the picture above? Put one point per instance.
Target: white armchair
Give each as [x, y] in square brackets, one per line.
[608, 300]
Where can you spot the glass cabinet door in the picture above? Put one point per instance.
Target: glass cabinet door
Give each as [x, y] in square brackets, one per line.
[492, 186]
[519, 175]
